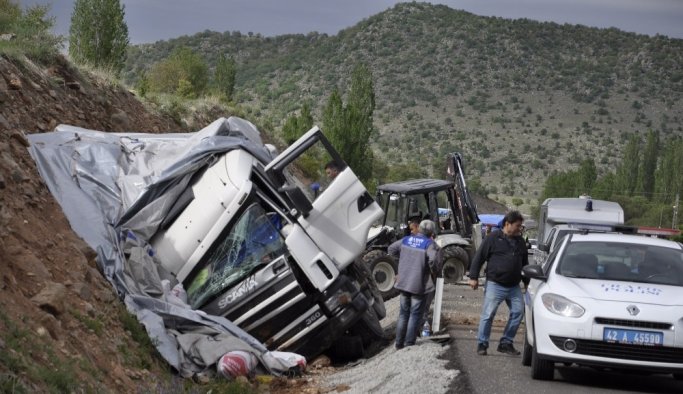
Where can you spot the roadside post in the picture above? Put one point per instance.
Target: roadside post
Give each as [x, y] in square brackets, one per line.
[438, 296]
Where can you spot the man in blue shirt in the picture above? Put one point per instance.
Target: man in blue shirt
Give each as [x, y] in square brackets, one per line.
[506, 254]
[416, 255]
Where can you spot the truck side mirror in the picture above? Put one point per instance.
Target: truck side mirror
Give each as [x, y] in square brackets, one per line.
[298, 199]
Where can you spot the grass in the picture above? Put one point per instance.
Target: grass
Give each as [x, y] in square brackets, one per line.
[20, 345]
[142, 356]
[93, 324]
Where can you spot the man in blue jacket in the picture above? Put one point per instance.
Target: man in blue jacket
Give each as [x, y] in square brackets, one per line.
[416, 254]
[506, 254]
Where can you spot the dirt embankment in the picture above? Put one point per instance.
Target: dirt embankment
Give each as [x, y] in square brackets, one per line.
[61, 325]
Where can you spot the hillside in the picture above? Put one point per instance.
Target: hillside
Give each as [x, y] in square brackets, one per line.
[62, 327]
[519, 98]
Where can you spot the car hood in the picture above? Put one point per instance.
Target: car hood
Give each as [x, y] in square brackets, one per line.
[610, 290]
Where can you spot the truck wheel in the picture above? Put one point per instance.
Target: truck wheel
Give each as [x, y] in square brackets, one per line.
[383, 270]
[371, 333]
[454, 264]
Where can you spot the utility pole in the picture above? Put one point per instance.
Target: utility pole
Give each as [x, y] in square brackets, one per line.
[674, 222]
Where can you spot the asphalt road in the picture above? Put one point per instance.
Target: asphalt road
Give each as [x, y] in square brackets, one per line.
[499, 373]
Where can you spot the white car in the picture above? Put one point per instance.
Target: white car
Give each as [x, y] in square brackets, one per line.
[606, 300]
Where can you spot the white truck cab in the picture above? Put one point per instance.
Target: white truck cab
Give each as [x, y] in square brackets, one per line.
[248, 243]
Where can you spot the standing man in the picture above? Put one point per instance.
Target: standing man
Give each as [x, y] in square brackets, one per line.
[506, 254]
[415, 254]
[331, 170]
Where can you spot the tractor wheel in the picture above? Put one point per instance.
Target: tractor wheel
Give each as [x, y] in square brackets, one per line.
[383, 270]
[454, 263]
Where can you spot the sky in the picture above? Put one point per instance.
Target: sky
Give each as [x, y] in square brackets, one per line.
[153, 20]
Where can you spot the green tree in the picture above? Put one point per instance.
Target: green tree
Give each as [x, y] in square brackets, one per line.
[224, 76]
[333, 119]
[646, 177]
[184, 73]
[350, 127]
[587, 175]
[668, 179]
[98, 35]
[31, 29]
[295, 126]
[10, 12]
[627, 172]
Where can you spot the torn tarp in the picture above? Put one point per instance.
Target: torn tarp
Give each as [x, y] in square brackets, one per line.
[116, 189]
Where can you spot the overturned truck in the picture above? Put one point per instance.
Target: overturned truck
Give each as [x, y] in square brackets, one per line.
[231, 228]
[250, 244]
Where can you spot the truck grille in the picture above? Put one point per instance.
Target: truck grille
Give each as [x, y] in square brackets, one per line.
[634, 323]
[662, 354]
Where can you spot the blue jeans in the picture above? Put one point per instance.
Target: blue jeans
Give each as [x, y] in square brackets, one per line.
[408, 319]
[494, 295]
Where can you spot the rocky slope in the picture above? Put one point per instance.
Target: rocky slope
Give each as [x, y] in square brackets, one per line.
[62, 327]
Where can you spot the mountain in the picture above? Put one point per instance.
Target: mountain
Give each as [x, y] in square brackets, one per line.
[518, 98]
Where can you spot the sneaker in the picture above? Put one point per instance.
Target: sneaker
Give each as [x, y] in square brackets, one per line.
[507, 348]
[481, 349]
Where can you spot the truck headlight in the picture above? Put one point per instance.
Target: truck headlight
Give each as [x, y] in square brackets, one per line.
[340, 297]
[562, 306]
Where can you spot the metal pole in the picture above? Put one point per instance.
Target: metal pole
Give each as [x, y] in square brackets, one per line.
[438, 296]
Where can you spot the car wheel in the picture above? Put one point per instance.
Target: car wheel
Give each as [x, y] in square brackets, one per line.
[454, 263]
[526, 352]
[541, 369]
[383, 270]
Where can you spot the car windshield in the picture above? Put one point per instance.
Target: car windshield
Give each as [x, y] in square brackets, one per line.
[253, 241]
[623, 262]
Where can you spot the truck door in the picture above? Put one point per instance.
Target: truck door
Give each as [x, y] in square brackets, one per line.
[336, 214]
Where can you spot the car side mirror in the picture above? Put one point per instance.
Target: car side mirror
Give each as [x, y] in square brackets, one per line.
[534, 271]
[544, 247]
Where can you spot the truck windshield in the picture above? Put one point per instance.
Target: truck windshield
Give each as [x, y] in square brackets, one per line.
[254, 240]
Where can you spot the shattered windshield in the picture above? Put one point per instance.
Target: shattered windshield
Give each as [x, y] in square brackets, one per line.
[624, 262]
[254, 240]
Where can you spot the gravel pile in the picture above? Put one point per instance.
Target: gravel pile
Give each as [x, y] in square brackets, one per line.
[414, 369]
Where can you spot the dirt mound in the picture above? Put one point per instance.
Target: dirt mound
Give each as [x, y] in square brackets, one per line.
[62, 328]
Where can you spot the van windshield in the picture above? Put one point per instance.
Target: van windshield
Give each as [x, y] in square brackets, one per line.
[254, 240]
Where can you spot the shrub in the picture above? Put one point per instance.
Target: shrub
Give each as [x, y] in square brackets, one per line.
[31, 29]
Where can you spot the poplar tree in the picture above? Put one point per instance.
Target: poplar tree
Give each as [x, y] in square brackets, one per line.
[668, 176]
[295, 126]
[627, 173]
[350, 127]
[98, 35]
[224, 76]
[646, 178]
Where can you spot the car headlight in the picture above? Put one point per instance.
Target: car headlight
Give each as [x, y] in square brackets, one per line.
[562, 306]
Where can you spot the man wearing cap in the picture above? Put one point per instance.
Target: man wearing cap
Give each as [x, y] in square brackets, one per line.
[416, 256]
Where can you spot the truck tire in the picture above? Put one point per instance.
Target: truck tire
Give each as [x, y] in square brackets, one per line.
[371, 333]
[454, 263]
[363, 340]
[383, 269]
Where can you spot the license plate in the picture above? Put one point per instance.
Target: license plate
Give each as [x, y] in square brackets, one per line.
[633, 337]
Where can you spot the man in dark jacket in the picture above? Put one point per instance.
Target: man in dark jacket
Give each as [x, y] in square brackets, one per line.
[415, 254]
[506, 254]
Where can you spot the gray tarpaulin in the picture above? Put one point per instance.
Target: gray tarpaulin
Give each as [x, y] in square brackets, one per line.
[116, 189]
